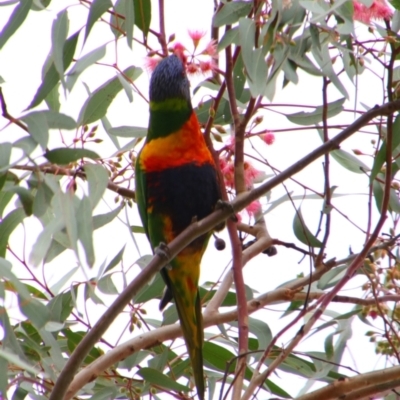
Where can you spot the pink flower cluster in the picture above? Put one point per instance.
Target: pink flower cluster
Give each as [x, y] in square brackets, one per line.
[378, 10]
[268, 138]
[201, 62]
[250, 175]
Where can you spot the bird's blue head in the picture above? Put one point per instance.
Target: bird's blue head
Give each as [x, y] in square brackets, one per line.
[169, 81]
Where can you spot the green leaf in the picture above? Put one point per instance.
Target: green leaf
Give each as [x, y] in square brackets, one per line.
[314, 117]
[89, 293]
[394, 3]
[7, 226]
[5, 153]
[55, 120]
[97, 177]
[15, 360]
[96, 106]
[106, 393]
[328, 280]
[42, 199]
[64, 156]
[29, 306]
[115, 260]
[150, 291]
[158, 379]
[231, 36]
[276, 390]
[54, 350]
[117, 23]
[38, 128]
[380, 157]
[56, 287]
[126, 86]
[74, 338]
[39, 5]
[134, 359]
[97, 9]
[4, 367]
[25, 197]
[44, 240]
[128, 131]
[59, 32]
[302, 232]
[137, 229]
[218, 357]
[328, 344]
[5, 198]
[253, 59]
[262, 332]
[15, 20]
[26, 144]
[83, 63]
[85, 228]
[231, 12]
[350, 162]
[51, 77]
[129, 21]
[142, 15]
[103, 219]
[324, 60]
[19, 394]
[66, 204]
[106, 285]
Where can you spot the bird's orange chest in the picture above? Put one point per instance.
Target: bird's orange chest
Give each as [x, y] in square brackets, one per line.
[182, 147]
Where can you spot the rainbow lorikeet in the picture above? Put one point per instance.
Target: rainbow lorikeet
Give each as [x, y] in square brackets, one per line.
[176, 182]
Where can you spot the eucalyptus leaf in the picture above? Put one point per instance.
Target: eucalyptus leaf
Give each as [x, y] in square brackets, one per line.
[51, 76]
[96, 10]
[302, 232]
[65, 156]
[85, 229]
[15, 20]
[158, 379]
[315, 116]
[59, 33]
[97, 177]
[230, 12]
[96, 106]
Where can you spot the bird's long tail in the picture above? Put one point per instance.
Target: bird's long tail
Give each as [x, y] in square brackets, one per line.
[192, 326]
[182, 283]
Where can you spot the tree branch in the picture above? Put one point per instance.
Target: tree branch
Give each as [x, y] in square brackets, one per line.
[195, 230]
[346, 389]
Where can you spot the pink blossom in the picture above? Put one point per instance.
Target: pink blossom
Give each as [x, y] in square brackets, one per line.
[179, 50]
[250, 174]
[151, 63]
[196, 36]
[211, 49]
[228, 172]
[230, 144]
[268, 138]
[207, 66]
[378, 10]
[192, 68]
[253, 207]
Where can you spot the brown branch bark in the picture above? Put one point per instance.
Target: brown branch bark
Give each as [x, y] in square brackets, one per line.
[195, 230]
[360, 385]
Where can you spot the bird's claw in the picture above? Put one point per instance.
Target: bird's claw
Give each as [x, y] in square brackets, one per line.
[225, 205]
[162, 250]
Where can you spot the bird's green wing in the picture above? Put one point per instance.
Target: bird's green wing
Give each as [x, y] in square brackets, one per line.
[140, 195]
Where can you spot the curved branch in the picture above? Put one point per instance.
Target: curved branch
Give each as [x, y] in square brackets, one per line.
[360, 384]
[195, 230]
